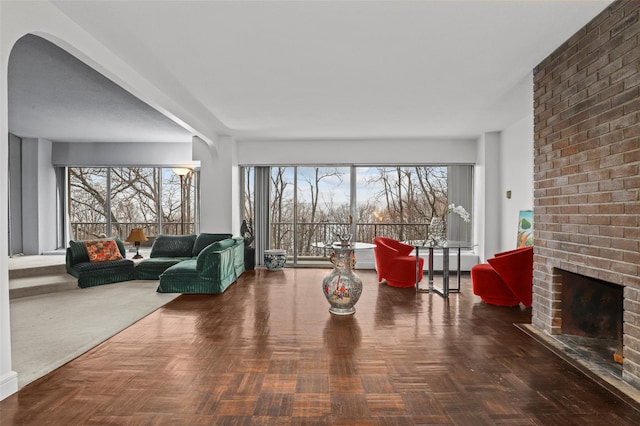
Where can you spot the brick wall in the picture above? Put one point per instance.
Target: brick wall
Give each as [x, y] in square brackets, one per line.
[587, 169]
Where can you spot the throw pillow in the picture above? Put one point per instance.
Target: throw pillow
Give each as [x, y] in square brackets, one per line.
[102, 250]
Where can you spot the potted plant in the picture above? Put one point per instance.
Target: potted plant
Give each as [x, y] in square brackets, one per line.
[246, 230]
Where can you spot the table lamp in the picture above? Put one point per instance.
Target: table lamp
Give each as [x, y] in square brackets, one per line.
[136, 235]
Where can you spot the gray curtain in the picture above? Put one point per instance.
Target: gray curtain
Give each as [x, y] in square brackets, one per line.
[460, 193]
[62, 233]
[261, 205]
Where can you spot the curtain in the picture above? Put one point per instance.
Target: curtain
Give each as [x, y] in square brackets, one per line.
[261, 206]
[460, 193]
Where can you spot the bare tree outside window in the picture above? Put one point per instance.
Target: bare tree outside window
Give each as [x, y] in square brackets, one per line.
[134, 200]
[138, 197]
[398, 202]
[88, 202]
[406, 198]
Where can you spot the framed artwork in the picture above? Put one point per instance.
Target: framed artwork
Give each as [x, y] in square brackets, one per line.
[525, 229]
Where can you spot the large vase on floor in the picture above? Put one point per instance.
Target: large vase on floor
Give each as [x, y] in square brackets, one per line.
[342, 287]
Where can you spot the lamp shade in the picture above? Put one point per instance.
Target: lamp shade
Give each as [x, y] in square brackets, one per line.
[136, 235]
[181, 171]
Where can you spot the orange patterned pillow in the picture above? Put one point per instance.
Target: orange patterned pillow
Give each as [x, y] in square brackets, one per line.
[102, 250]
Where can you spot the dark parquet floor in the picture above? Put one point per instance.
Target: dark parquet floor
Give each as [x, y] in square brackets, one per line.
[267, 351]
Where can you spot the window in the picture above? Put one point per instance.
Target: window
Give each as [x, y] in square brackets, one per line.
[88, 197]
[312, 204]
[110, 201]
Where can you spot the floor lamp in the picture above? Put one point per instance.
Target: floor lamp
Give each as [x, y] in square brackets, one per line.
[182, 172]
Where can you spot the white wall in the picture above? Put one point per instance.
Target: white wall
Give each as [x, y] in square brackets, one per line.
[122, 154]
[30, 196]
[39, 204]
[219, 186]
[361, 152]
[15, 194]
[8, 377]
[487, 195]
[48, 214]
[504, 162]
[516, 175]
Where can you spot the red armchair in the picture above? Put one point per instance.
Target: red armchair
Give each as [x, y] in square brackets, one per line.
[394, 263]
[507, 278]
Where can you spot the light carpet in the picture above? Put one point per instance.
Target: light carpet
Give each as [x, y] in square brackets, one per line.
[50, 330]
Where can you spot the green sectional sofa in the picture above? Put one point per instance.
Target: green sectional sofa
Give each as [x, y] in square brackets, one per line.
[214, 269]
[92, 273]
[169, 250]
[204, 263]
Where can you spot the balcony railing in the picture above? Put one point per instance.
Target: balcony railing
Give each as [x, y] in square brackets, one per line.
[282, 233]
[309, 234]
[89, 230]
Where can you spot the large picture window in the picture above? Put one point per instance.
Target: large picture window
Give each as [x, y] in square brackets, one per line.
[309, 205]
[110, 201]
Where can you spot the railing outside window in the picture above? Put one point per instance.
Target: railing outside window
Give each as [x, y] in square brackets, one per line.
[310, 234]
[90, 230]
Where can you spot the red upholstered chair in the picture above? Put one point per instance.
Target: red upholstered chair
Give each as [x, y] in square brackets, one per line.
[507, 278]
[394, 263]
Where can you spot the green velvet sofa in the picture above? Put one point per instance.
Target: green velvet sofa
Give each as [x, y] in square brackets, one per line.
[169, 250]
[212, 271]
[97, 273]
[203, 263]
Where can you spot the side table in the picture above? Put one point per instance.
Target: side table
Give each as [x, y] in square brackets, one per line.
[445, 247]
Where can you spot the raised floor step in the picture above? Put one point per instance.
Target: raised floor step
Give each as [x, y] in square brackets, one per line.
[34, 285]
[37, 271]
[38, 274]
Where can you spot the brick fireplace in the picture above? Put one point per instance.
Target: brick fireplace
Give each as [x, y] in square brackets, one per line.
[587, 171]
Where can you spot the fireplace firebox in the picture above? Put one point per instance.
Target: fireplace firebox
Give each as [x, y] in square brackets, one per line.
[592, 308]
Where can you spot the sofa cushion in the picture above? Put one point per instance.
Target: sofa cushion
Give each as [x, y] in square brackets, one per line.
[102, 250]
[104, 266]
[173, 246]
[205, 239]
[221, 245]
[224, 254]
[150, 269]
[79, 250]
[185, 270]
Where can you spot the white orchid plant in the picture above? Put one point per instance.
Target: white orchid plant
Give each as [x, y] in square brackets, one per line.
[460, 211]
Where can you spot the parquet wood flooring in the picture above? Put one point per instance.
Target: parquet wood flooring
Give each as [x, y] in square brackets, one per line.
[267, 351]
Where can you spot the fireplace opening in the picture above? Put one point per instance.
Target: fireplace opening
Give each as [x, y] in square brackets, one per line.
[592, 317]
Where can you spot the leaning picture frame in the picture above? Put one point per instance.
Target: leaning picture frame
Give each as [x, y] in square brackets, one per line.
[525, 229]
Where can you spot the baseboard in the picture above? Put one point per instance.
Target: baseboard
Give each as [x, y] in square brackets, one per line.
[8, 384]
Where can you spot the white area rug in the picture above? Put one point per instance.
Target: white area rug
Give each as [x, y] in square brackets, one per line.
[50, 330]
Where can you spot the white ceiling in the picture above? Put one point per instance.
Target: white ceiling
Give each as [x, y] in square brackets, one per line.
[53, 95]
[306, 69]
